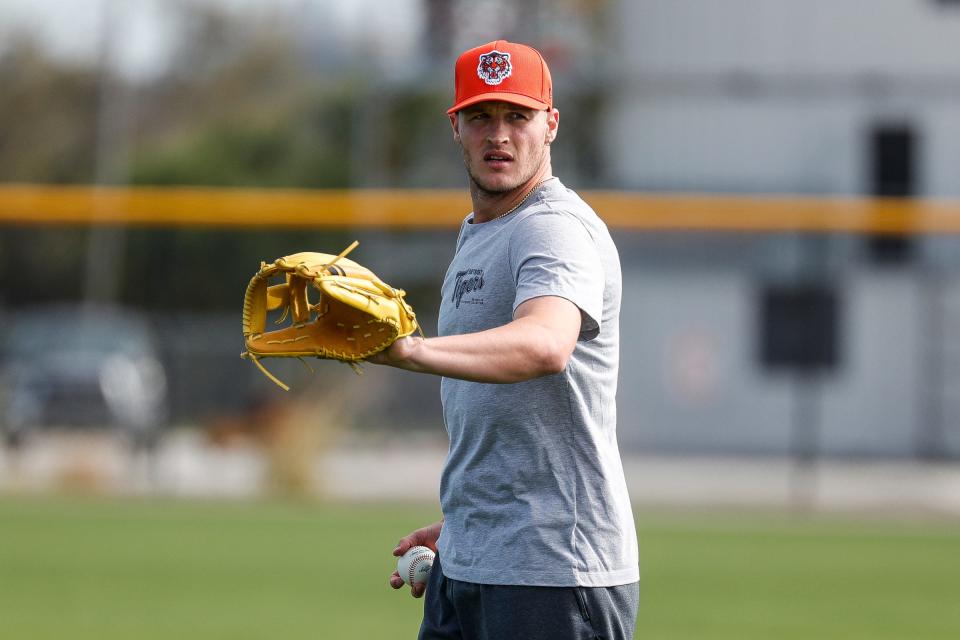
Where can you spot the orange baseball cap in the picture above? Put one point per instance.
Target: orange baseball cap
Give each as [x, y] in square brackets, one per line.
[502, 70]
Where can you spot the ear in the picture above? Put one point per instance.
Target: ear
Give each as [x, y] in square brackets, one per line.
[553, 124]
[455, 125]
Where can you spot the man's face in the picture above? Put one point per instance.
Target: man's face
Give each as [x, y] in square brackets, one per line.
[504, 145]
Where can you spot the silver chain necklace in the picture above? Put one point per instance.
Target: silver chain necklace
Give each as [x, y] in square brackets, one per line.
[519, 204]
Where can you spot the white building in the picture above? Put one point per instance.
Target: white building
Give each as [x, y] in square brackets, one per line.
[777, 96]
[783, 96]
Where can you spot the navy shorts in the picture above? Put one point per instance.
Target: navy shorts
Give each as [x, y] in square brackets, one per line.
[453, 609]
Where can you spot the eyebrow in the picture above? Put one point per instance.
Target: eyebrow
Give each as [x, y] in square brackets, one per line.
[511, 107]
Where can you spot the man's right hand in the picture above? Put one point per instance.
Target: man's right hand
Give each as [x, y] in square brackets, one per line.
[426, 537]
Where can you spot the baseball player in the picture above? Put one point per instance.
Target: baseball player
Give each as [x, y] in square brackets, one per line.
[537, 538]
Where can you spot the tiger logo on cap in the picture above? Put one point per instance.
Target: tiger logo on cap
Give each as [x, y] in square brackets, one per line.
[494, 67]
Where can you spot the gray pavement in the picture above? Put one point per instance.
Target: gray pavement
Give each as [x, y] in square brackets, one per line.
[188, 465]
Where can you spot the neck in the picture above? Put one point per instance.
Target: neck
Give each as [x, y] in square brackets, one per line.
[489, 206]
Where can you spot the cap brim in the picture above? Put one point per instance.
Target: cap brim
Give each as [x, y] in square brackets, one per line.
[505, 96]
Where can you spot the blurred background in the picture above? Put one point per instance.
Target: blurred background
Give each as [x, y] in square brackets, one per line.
[781, 179]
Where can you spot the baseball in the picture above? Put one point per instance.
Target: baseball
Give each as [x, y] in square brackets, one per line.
[414, 566]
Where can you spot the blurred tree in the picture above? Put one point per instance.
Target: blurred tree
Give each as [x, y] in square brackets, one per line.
[236, 106]
[47, 112]
[245, 100]
[240, 106]
[307, 147]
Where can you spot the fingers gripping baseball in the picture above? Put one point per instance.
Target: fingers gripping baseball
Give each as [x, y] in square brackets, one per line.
[424, 537]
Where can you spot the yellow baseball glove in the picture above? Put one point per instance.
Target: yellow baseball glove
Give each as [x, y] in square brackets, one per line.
[354, 316]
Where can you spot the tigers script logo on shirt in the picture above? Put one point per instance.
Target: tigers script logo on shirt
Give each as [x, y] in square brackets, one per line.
[467, 280]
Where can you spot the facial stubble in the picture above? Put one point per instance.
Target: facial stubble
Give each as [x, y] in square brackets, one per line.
[489, 191]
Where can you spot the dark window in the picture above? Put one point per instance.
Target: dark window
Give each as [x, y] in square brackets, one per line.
[892, 156]
[892, 152]
[799, 327]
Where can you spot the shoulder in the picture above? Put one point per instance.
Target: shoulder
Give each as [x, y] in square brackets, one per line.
[550, 221]
[558, 196]
[552, 233]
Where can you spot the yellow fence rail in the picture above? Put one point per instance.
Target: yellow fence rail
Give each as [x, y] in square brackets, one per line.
[375, 208]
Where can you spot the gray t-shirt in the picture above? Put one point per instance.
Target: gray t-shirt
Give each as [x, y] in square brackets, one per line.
[533, 491]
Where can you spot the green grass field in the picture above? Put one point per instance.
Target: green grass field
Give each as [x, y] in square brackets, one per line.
[78, 569]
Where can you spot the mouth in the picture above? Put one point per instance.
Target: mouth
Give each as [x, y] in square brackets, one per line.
[497, 159]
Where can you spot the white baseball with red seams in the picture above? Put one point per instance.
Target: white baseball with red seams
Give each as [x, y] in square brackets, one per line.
[414, 566]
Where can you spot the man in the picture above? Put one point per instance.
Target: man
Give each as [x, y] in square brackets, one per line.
[537, 538]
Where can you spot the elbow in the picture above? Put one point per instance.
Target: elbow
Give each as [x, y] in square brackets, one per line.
[556, 361]
[551, 358]
[540, 350]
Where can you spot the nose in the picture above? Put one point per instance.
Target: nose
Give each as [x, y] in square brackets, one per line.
[497, 132]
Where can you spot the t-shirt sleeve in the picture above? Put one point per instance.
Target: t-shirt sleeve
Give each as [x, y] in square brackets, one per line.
[553, 254]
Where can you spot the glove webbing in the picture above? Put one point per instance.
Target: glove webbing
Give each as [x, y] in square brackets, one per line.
[247, 312]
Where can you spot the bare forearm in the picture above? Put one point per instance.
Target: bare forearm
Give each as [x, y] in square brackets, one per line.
[519, 351]
[537, 342]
